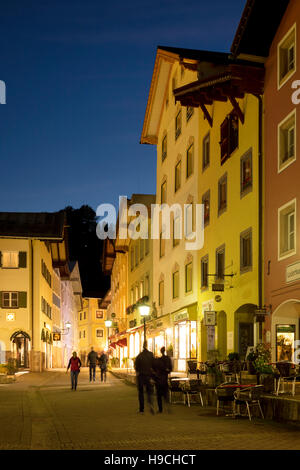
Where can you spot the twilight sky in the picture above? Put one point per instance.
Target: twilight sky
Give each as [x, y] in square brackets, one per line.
[77, 74]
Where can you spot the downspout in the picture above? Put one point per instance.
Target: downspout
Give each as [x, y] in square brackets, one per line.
[32, 298]
[260, 208]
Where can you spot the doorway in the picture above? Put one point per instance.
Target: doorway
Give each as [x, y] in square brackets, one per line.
[20, 342]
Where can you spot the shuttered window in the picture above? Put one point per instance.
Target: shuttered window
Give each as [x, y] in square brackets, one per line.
[229, 136]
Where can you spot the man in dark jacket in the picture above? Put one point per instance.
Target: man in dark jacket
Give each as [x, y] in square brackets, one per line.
[144, 366]
[163, 367]
[75, 364]
[103, 360]
[92, 362]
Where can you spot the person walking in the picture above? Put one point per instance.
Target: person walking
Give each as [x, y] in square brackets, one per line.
[75, 364]
[162, 368]
[144, 367]
[92, 362]
[103, 360]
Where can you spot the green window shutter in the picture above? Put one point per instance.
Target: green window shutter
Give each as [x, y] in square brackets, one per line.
[0, 259]
[1, 299]
[22, 259]
[22, 299]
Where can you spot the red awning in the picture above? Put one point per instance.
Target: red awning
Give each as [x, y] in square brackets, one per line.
[122, 342]
[113, 345]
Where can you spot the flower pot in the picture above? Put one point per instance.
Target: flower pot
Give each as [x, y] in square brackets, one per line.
[251, 368]
[267, 380]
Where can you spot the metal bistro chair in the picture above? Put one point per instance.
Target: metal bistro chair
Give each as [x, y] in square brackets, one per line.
[192, 368]
[194, 388]
[202, 372]
[225, 395]
[250, 397]
[231, 371]
[175, 388]
[286, 376]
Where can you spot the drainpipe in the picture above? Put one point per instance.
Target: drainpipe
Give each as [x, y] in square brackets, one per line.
[260, 207]
[32, 298]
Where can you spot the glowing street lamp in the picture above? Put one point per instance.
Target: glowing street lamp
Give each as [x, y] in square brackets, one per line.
[66, 330]
[144, 312]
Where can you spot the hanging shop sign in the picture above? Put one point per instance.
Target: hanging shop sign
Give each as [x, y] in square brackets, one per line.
[210, 318]
[56, 336]
[181, 316]
[293, 272]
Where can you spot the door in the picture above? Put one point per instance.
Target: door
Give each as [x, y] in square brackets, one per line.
[245, 338]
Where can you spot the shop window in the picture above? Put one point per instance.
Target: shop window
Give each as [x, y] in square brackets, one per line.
[190, 161]
[246, 250]
[177, 176]
[163, 193]
[175, 285]
[229, 136]
[204, 272]
[164, 148]
[206, 152]
[189, 277]
[287, 141]
[285, 340]
[189, 113]
[287, 57]
[220, 262]
[161, 293]
[178, 125]
[206, 204]
[246, 173]
[287, 230]
[222, 194]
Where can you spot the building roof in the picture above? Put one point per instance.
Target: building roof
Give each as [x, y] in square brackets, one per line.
[257, 28]
[38, 225]
[196, 54]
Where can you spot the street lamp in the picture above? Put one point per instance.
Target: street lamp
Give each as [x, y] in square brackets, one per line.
[66, 330]
[144, 312]
[108, 324]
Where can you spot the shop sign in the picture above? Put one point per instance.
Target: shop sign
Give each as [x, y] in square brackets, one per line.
[56, 336]
[210, 318]
[293, 272]
[218, 287]
[181, 316]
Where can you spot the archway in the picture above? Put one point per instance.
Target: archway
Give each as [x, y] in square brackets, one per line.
[285, 330]
[244, 334]
[20, 345]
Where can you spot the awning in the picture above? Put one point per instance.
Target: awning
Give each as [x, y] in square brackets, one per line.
[122, 342]
[113, 345]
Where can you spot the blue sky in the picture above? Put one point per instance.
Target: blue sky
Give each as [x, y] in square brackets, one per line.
[77, 74]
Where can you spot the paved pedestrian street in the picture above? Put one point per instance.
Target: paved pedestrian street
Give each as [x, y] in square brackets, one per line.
[40, 411]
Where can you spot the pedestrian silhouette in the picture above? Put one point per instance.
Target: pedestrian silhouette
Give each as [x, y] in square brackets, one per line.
[103, 360]
[162, 368]
[144, 366]
[92, 362]
[74, 364]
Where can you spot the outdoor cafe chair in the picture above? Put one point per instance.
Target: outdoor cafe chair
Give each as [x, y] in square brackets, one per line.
[192, 368]
[175, 389]
[230, 374]
[286, 376]
[225, 395]
[250, 397]
[194, 388]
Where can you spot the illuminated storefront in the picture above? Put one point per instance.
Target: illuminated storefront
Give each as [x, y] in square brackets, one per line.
[285, 340]
[185, 337]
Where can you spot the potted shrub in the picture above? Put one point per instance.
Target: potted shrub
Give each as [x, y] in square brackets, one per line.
[214, 375]
[264, 370]
[251, 358]
[234, 362]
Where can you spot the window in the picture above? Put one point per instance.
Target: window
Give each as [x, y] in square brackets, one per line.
[46, 273]
[220, 262]
[287, 229]
[222, 194]
[229, 136]
[246, 173]
[131, 258]
[176, 230]
[190, 161]
[84, 333]
[175, 284]
[162, 244]
[189, 113]
[99, 314]
[287, 141]
[204, 272]
[84, 315]
[10, 259]
[164, 148]
[80, 315]
[206, 152]
[147, 246]
[137, 293]
[178, 125]
[141, 289]
[136, 250]
[177, 176]
[163, 193]
[147, 286]
[161, 293]
[188, 277]
[10, 299]
[188, 220]
[79, 334]
[246, 250]
[99, 333]
[287, 57]
[206, 204]
[131, 296]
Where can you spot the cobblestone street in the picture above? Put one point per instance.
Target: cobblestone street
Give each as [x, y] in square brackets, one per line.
[40, 411]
